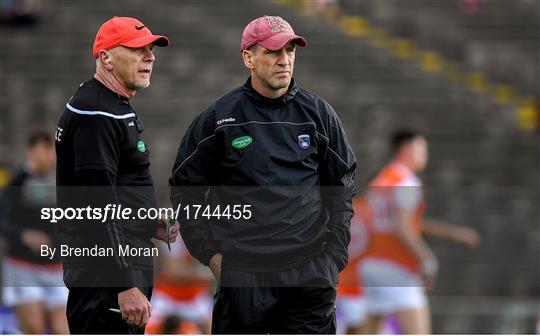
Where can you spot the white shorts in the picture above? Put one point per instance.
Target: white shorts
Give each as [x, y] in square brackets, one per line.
[389, 287]
[350, 312]
[198, 310]
[24, 283]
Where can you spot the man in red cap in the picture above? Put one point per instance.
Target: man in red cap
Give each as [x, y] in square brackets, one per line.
[103, 159]
[123, 52]
[280, 155]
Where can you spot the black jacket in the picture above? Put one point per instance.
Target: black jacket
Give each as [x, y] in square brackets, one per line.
[288, 158]
[102, 159]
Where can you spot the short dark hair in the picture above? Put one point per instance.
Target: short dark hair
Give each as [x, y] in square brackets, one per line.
[402, 137]
[254, 48]
[38, 135]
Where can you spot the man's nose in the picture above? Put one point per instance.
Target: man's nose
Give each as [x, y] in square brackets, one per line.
[149, 55]
[284, 58]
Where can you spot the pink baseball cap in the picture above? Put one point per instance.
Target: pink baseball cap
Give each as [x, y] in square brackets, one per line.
[271, 32]
[127, 32]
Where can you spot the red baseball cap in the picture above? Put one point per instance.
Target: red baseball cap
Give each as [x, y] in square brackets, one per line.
[127, 32]
[271, 32]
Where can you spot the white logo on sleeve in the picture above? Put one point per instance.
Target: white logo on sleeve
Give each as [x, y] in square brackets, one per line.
[58, 134]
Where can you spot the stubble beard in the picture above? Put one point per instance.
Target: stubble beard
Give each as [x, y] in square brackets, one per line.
[278, 84]
[140, 86]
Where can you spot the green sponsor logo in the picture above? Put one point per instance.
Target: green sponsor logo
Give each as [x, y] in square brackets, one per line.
[40, 192]
[141, 146]
[242, 141]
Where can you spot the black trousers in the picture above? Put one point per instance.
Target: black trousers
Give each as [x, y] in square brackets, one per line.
[88, 308]
[296, 301]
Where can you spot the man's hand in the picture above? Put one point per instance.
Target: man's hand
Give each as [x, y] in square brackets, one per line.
[429, 267]
[34, 239]
[161, 231]
[457, 233]
[466, 236]
[134, 307]
[215, 267]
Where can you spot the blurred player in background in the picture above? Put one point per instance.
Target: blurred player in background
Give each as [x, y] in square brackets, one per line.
[351, 310]
[33, 284]
[399, 264]
[181, 303]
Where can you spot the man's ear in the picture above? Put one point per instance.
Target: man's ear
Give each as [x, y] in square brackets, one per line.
[106, 59]
[248, 58]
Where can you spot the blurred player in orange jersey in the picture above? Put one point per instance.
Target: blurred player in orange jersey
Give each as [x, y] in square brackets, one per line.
[350, 303]
[181, 303]
[398, 264]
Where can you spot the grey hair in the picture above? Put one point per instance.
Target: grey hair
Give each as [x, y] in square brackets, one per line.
[253, 48]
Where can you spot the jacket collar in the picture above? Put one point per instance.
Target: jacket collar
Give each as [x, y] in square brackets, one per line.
[257, 97]
[111, 93]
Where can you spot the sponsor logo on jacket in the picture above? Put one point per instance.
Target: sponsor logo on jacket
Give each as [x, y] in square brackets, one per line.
[225, 120]
[242, 141]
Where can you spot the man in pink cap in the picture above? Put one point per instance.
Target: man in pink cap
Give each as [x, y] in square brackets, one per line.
[280, 156]
[102, 160]
[274, 36]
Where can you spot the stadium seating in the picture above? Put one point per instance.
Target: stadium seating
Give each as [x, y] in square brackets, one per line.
[494, 39]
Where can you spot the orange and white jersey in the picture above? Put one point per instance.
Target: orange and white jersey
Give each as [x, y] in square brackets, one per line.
[349, 279]
[185, 291]
[396, 188]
